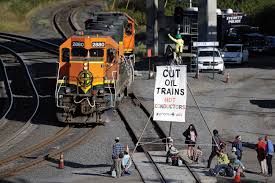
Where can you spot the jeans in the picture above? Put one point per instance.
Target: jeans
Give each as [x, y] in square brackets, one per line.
[269, 163]
[218, 168]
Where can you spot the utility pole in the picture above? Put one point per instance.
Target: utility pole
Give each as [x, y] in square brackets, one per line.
[156, 5]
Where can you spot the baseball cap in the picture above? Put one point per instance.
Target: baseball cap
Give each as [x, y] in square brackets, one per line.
[117, 138]
[234, 149]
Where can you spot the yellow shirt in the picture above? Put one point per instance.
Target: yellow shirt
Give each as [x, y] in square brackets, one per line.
[223, 159]
[179, 44]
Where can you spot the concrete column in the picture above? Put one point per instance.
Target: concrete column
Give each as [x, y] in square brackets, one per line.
[149, 24]
[207, 19]
[156, 37]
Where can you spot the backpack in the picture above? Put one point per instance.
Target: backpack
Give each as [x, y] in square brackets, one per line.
[121, 155]
[229, 171]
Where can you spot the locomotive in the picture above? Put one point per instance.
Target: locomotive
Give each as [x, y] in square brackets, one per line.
[96, 67]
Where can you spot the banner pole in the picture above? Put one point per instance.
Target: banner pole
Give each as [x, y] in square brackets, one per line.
[170, 129]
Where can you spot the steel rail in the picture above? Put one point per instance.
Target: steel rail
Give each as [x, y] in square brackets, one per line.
[45, 157]
[31, 42]
[30, 39]
[8, 89]
[196, 177]
[160, 133]
[63, 31]
[58, 28]
[139, 148]
[61, 133]
[36, 96]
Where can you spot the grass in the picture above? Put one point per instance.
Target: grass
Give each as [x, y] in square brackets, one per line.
[15, 13]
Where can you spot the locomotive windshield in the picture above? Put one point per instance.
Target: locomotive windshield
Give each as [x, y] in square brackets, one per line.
[79, 52]
[96, 52]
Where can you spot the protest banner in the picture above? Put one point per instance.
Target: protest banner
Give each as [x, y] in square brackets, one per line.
[170, 93]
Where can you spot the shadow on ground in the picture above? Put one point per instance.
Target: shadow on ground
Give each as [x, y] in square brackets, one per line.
[270, 104]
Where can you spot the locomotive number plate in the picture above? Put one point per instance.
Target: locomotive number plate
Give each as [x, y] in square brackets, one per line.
[78, 44]
[98, 44]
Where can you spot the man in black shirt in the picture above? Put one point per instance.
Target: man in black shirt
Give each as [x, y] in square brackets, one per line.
[216, 146]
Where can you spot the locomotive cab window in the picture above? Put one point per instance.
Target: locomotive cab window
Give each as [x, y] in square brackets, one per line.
[65, 54]
[128, 29]
[79, 52]
[111, 55]
[96, 54]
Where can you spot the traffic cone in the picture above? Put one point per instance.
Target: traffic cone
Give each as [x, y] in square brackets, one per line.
[61, 161]
[237, 178]
[227, 78]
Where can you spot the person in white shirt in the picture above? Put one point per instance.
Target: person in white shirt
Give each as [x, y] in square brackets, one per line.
[126, 163]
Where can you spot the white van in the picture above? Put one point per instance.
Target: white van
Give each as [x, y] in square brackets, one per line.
[205, 59]
[235, 53]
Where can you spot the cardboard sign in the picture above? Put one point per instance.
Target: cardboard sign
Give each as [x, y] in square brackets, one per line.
[170, 93]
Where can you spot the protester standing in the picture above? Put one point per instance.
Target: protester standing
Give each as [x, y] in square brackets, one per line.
[117, 154]
[216, 142]
[261, 155]
[190, 135]
[237, 143]
[269, 154]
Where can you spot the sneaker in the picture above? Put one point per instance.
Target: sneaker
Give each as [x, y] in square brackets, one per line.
[212, 173]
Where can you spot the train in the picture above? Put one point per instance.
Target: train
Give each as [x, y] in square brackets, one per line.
[95, 68]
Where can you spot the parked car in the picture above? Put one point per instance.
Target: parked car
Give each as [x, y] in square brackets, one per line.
[235, 54]
[205, 58]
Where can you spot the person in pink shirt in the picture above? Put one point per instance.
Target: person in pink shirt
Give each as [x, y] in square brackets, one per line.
[190, 135]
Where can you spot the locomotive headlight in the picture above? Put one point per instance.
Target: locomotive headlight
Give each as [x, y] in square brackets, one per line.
[85, 66]
[68, 90]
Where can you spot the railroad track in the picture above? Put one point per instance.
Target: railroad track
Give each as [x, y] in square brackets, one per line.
[63, 22]
[24, 98]
[37, 43]
[134, 114]
[47, 150]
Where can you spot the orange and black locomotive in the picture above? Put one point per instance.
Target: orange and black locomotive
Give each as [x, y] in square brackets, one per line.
[96, 67]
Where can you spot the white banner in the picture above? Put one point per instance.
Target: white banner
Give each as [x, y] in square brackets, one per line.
[170, 93]
[205, 44]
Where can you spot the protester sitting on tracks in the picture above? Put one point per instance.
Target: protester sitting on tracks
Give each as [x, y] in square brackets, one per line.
[126, 163]
[237, 143]
[216, 143]
[172, 153]
[235, 163]
[169, 145]
[223, 164]
[190, 135]
[117, 154]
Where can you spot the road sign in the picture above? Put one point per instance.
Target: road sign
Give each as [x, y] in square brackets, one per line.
[170, 93]
[205, 44]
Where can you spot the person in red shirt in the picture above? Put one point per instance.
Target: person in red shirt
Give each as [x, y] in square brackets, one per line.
[261, 155]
